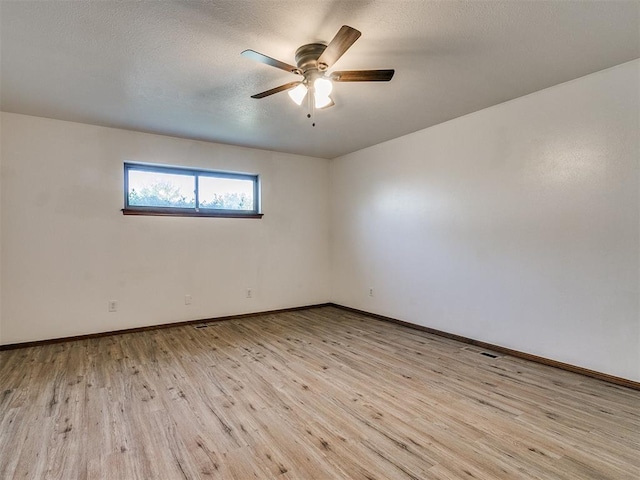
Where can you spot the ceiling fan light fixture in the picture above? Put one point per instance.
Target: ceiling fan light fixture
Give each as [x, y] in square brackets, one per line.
[322, 101]
[298, 94]
[313, 62]
[322, 87]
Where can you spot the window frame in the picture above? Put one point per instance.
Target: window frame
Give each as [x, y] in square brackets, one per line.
[196, 211]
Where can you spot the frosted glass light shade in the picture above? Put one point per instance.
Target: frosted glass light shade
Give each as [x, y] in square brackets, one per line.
[322, 101]
[298, 94]
[322, 87]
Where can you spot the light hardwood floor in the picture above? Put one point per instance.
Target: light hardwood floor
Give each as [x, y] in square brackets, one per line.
[319, 393]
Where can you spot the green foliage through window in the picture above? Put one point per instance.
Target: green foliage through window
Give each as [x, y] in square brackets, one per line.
[229, 201]
[182, 190]
[160, 194]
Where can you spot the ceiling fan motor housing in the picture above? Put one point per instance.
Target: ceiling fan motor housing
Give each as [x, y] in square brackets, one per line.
[307, 56]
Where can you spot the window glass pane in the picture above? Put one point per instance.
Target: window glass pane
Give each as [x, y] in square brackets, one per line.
[225, 193]
[153, 189]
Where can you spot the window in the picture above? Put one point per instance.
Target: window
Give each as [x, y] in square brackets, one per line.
[159, 190]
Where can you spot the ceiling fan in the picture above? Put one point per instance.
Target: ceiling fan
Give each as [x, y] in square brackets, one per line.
[312, 63]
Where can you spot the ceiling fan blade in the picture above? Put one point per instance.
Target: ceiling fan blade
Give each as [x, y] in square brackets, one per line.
[345, 37]
[362, 75]
[259, 57]
[281, 88]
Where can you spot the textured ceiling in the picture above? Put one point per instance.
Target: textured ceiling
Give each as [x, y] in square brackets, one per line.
[175, 67]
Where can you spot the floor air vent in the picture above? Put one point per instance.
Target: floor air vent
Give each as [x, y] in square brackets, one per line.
[201, 326]
[487, 354]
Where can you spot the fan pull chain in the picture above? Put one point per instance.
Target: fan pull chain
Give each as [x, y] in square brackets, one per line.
[311, 106]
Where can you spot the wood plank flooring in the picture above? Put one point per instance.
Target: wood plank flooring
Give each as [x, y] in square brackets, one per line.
[320, 393]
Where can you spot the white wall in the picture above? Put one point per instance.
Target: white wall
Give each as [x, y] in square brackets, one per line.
[67, 249]
[516, 225]
[1, 155]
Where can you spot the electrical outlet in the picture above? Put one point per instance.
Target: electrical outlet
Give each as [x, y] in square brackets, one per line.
[249, 293]
[113, 306]
[371, 292]
[187, 299]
